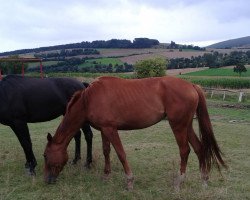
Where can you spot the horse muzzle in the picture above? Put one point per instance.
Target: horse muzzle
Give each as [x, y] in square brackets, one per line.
[50, 179]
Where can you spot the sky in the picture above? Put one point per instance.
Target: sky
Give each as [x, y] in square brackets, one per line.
[38, 23]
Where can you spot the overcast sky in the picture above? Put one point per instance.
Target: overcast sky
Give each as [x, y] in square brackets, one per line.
[37, 23]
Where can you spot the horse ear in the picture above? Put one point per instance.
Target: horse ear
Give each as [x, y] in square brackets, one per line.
[49, 137]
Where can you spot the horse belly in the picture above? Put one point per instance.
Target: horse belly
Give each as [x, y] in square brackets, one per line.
[136, 117]
[139, 120]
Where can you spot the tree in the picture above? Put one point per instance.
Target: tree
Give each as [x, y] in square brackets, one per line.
[239, 68]
[151, 67]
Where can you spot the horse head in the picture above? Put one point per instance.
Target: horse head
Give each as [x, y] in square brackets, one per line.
[55, 157]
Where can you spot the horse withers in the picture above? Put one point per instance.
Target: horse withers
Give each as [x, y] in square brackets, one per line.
[110, 104]
[28, 100]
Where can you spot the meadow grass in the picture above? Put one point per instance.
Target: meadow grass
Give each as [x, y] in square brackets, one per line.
[152, 154]
[219, 72]
[102, 61]
[44, 63]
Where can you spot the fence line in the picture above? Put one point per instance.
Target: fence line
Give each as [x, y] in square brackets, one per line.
[240, 93]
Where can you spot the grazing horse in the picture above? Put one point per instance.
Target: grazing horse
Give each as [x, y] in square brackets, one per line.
[110, 104]
[28, 100]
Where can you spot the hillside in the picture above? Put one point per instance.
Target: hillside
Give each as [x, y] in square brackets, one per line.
[243, 42]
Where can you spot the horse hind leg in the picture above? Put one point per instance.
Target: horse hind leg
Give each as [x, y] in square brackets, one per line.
[196, 145]
[180, 133]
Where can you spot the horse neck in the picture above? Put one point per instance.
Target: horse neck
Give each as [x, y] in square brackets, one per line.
[71, 123]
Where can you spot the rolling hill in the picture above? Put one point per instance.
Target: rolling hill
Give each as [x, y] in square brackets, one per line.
[243, 42]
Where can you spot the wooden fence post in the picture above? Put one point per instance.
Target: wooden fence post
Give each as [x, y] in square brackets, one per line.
[240, 96]
[212, 94]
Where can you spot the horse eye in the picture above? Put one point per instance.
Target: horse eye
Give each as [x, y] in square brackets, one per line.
[44, 155]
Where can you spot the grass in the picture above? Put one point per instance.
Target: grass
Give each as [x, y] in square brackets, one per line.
[102, 61]
[45, 63]
[152, 154]
[84, 75]
[219, 82]
[219, 72]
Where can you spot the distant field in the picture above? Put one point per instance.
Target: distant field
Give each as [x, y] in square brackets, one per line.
[102, 61]
[46, 63]
[219, 72]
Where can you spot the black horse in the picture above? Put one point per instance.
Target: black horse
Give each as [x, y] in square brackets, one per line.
[27, 100]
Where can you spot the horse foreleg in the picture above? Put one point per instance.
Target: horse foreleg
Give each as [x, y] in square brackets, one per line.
[112, 136]
[77, 138]
[21, 130]
[88, 137]
[196, 144]
[106, 153]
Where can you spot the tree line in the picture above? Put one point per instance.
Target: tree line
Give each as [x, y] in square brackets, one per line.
[211, 60]
[113, 43]
[73, 65]
[67, 53]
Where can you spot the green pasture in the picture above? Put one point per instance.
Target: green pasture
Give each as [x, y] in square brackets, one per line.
[219, 82]
[153, 156]
[82, 75]
[101, 61]
[219, 72]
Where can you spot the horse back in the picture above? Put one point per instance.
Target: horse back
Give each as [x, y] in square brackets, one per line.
[35, 99]
[130, 104]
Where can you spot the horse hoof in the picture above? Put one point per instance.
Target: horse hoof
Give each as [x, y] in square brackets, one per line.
[204, 185]
[130, 183]
[87, 165]
[30, 172]
[105, 177]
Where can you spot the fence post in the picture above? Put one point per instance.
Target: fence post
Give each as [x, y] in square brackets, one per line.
[41, 69]
[212, 94]
[224, 95]
[22, 69]
[240, 96]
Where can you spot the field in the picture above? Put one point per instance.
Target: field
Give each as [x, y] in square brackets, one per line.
[220, 72]
[102, 61]
[152, 154]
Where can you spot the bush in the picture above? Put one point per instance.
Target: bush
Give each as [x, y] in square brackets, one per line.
[151, 67]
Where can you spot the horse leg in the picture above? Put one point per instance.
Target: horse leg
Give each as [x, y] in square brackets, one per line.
[21, 130]
[112, 136]
[196, 144]
[106, 153]
[77, 138]
[181, 136]
[88, 137]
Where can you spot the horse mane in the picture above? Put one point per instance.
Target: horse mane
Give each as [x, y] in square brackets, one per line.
[73, 99]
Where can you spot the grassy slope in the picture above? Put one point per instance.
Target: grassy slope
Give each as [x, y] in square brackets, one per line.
[103, 61]
[152, 154]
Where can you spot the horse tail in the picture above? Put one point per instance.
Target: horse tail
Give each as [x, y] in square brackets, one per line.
[211, 153]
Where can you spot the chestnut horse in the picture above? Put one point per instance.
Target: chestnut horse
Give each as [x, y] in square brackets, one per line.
[110, 104]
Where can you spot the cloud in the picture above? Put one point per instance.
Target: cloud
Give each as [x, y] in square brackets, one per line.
[30, 24]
